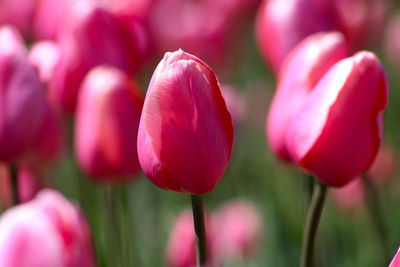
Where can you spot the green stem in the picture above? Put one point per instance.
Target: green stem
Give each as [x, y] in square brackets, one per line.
[310, 231]
[200, 230]
[14, 184]
[374, 209]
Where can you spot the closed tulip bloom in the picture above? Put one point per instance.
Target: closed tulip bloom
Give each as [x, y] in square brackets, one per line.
[44, 56]
[22, 97]
[396, 260]
[337, 132]
[107, 121]
[301, 71]
[185, 132]
[81, 50]
[48, 231]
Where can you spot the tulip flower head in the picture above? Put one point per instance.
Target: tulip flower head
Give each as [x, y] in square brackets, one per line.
[107, 122]
[301, 71]
[48, 231]
[185, 132]
[44, 56]
[337, 132]
[22, 97]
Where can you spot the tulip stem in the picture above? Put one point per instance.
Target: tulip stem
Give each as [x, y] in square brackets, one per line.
[374, 209]
[14, 184]
[312, 221]
[199, 229]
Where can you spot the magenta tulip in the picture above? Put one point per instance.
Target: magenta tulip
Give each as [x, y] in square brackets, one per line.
[185, 132]
[18, 13]
[396, 260]
[22, 97]
[238, 230]
[336, 133]
[48, 231]
[301, 71]
[81, 50]
[44, 56]
[107, 121]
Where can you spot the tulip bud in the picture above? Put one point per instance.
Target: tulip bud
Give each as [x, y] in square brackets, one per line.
[239, 230]
[107, 122]
[48, 231]
[300, 72]
[185, 133]
[22, 97]
[181, 247]
[337, 132]
[81, 50]
[350, 197]
[44, 56]
[396, 260]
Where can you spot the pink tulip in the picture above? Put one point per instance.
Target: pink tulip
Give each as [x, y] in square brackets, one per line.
[301, 71]
[181, 247]
[396, 260]
[238, 230]
[81, 50]
[44, 56]
[336, 133]
[18, 13]
[22, 97]
[48, 231]
[350, 197]
[107, 121]
[235, 103]
[30, 181]
[282, 24]
[185, 133]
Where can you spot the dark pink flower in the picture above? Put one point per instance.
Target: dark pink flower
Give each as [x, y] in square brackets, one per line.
[185, 133]
[107, 121]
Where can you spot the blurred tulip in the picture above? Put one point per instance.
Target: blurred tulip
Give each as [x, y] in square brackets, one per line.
[384, 165]
[107, 121]
[238, 230]
[44, 56]
[30, 181]
[48, 231]
[235, 103]
[22, 97]
[18, 13]
[282, 24]
[337, 132]
[185, 132]
[396, 260]
[350, 197]
[81, 50]
[181, 248]
[138, 8]
[301, 71]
